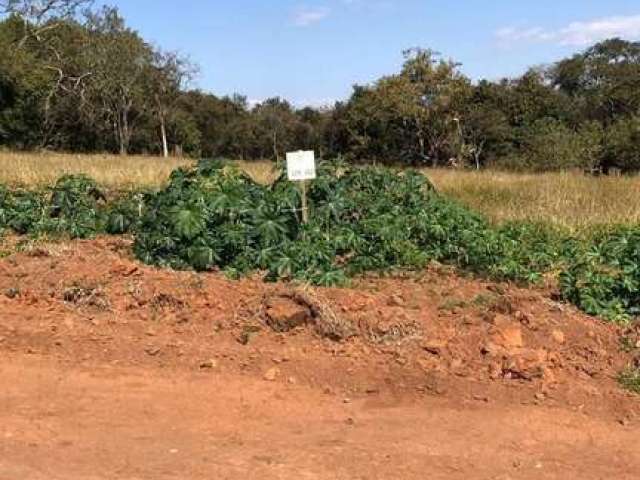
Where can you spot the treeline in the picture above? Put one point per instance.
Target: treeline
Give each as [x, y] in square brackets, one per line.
[77, 80]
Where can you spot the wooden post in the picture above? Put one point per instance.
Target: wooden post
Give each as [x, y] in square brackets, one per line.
[305, 210]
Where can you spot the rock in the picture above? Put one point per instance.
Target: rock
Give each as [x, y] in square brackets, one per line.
[527, 365]
[435, 347]
[491, 349]
[508, 337]
[247, 334]
[283, 314]
[209, 364]
[272, 374]
[558, 337]
[396, 301]
[153, 351]
[12, 293]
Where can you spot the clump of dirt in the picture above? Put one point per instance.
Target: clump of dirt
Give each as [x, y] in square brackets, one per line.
[83, 294]
[429, 334]
[285, 309]
[288, 308]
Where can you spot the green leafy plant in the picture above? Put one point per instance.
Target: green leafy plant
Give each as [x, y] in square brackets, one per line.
[603, 277]
[362, 219]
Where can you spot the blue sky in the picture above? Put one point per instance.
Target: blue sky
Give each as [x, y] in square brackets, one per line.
[313, 51]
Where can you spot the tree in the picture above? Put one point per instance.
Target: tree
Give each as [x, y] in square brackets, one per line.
[606, 77]
[170, 75]
[39, 17]
[621, 145]
[274, 126]
[122, 70]
[412, 116]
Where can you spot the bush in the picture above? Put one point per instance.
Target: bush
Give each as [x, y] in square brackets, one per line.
[621, 145]
[362, 219]
[73, 207]
[550, 144]
[603, 277]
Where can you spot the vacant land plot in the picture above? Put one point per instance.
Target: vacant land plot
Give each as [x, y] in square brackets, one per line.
[115, 370]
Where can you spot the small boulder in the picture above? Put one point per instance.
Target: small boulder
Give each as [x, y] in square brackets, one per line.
[284, 314]
[272, 374]
[396, 301]
[434, 347]
[508, 337]
[558, 337]
[208, 364]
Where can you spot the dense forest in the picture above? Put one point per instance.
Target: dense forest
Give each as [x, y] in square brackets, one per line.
[80, 80]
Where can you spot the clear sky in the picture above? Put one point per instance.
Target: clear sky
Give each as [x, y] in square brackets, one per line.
[313, 51]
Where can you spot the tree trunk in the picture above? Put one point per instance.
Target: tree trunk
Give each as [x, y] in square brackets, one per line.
[163, 134]
[275, 146]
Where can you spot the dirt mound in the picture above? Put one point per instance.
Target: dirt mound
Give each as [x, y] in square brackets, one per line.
[88, 303]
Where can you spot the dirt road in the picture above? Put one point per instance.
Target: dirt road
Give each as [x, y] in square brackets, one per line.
[116, 423]
[111, 370]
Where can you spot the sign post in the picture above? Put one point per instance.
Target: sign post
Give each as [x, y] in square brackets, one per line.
[301, 166]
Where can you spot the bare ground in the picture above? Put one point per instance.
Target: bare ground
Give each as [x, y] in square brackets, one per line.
[114, 370]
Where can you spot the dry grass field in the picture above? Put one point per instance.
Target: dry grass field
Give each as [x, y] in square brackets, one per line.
[112, 171]
[566, 199]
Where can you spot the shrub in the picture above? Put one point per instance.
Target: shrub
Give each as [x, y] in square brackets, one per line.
[73, 207]
[549, 144]
[621, 145]
[603, 277]
[362, 219]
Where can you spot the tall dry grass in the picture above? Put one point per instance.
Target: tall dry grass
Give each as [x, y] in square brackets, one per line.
[112, 171]
[568, 199]
[571, 200]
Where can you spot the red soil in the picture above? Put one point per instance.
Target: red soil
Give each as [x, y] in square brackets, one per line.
[111, 369]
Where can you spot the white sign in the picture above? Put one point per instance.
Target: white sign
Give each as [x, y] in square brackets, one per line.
[301, 165]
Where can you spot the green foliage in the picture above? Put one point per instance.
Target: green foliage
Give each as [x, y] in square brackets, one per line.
[89, 83]
[123, 215]
[74, 207]
[603, 275]
[621, 145]
[362, 220]
[549, 144]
